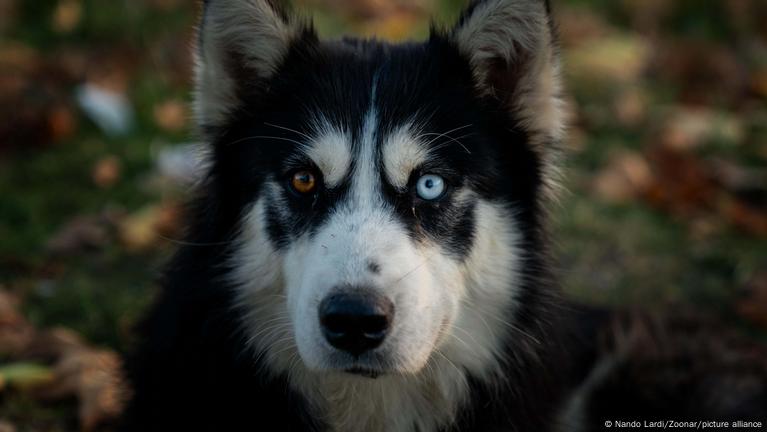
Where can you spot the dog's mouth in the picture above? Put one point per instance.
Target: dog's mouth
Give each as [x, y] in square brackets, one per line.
[365, 372]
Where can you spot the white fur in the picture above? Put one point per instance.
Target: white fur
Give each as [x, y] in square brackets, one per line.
[251, 30]
[402, 153]
[330, 151]
[491, 276]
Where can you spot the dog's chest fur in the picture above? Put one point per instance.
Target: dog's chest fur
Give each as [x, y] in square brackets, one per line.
[396, 404]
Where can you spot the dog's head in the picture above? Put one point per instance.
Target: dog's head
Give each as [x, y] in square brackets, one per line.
[387, 196]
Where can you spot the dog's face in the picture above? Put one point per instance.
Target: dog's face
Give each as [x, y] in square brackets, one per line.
[384, 195]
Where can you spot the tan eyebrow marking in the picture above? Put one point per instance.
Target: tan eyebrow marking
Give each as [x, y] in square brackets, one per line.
[402, 153]
[330, 151]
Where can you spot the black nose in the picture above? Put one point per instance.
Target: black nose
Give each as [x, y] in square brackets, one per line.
[356, 322]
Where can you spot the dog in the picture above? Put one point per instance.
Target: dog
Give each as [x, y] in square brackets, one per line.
[368, 248]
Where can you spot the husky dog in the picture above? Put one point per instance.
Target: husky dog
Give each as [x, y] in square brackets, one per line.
[367, 250]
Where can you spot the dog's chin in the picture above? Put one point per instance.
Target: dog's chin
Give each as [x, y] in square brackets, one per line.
[374, 369]
[365, 372]
[366, 368]
[371, 364]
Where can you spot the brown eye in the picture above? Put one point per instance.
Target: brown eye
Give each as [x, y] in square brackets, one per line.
[303, 182]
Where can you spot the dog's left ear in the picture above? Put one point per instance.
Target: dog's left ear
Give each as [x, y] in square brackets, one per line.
[241, 46]
[510, 47]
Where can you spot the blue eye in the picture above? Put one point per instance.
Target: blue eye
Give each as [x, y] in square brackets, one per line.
[430, 187]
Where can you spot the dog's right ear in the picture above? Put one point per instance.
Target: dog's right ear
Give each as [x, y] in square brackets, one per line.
[241, 44]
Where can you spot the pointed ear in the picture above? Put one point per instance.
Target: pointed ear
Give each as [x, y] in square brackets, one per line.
[241, 44]
[511, 49]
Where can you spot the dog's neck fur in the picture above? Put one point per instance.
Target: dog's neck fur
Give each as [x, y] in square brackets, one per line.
[427, 401]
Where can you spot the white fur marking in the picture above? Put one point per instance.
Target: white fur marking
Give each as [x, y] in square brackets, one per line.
[402, 154]
[330, 151]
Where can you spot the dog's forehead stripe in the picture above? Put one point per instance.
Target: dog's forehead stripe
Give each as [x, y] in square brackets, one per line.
[366, 188]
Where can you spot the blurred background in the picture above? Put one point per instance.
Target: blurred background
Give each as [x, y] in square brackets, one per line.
[666, 201]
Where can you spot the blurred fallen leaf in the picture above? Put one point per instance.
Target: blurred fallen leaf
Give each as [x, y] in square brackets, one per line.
[617, 59]
[626, 176]
[95, 378]
[687, 128]
[25, 376]
[106, 171]
[50, 344]
[67, 15]
[144, 228]
[682, 184]
[138, 231]
[171, 115]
